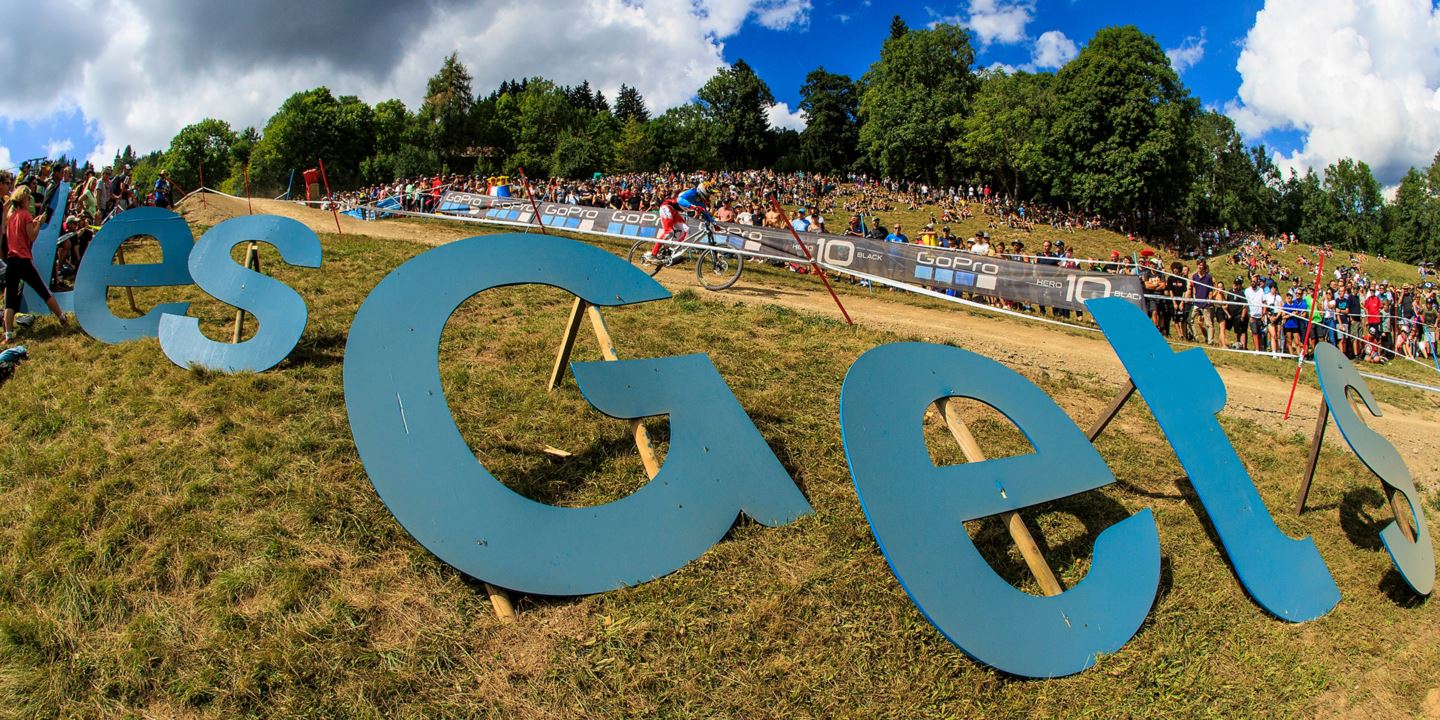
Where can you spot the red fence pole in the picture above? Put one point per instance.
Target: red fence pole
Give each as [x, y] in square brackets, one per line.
[201, 190]
[329, 199]
[1309, 330]
[786, 219]
[531, 196]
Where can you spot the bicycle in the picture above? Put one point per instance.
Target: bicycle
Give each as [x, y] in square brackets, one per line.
[715, 268]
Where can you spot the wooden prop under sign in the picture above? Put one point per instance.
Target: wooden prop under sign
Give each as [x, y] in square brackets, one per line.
[129, 291]
[1402, 516]
[719, 466]
[1344, 392]
[950, 412]
[252, 261]
[499, 598]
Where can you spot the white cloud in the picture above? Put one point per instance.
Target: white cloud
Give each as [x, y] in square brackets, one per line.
[1001, 21]
[146, 68]
[780, 116]
[1360, 79]
[1188, 54]
[56, 148]
[783, 14]
[6, 163]
[1052, 50]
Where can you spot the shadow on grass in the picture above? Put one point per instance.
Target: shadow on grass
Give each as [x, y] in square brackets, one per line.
[1095, 511]
[1394, 587]
[319, 350]
[1358, 517]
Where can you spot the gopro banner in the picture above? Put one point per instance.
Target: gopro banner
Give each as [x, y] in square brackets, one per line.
[932, 267]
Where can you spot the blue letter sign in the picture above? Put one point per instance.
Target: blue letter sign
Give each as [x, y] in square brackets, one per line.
[917, 512]
[279, 310]
[46, 245]
[1285, 576]
[718, 464]
[98, 273]
[1414, 560]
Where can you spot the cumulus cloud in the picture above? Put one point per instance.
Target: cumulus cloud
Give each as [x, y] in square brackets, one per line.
[1359, 78]
[142, 69]
[780, 116]
[1188, 54]
[996, 21]
[1052, 50]
[56, 148]
[6, 162]
[783, 14]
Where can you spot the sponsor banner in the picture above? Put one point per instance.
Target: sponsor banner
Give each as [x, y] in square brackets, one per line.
[940, 269]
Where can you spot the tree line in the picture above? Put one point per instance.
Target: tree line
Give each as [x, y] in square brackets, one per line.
[1114, 132]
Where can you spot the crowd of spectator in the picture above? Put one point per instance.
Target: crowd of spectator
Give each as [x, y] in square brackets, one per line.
[1266, 305]
[94, 197]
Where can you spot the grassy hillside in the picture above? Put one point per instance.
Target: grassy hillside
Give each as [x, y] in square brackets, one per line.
[186, 544]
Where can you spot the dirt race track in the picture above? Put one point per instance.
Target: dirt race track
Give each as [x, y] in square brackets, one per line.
[1018, 344]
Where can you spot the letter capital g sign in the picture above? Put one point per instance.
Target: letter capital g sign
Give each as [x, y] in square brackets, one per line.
[717, 466]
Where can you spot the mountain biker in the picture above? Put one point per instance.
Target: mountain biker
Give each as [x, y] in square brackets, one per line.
[672, 215]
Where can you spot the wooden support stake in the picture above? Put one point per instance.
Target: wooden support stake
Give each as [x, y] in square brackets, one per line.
[129, 291]
[567, 342]
[498, 597]
[1315, 443]
[252, 261]
[949, 410]
[1398, 505]
[637, 428]
[500, 600]
[1110, 412]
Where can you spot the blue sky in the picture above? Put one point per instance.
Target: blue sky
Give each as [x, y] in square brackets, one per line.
[141, 69]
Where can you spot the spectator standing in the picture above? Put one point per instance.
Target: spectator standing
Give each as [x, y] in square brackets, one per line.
[1202, 287]
[21, 228]
[898, 236]
[1255, 308]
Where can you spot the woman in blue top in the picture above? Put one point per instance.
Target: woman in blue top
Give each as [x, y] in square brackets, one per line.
[1295, 310]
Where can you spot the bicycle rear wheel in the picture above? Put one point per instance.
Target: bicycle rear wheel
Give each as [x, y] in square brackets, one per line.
[718, 269]
[637, 257]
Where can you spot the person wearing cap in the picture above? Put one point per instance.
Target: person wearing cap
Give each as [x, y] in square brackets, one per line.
[982, 244]
[161, 196]
[1295, 320]
[801, 222]
[21, 228]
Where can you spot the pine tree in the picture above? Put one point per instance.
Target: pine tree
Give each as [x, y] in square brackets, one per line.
[898, 28]
[629, 104]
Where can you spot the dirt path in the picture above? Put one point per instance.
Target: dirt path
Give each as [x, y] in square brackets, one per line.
[1019, 344]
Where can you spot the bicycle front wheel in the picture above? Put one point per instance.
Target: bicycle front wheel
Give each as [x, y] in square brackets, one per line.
[718, 269]
[637, 257]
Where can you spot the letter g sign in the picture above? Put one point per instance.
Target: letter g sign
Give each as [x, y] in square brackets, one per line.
[718, 465]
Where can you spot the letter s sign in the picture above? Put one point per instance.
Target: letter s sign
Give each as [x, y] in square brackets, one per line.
[718, 465]
[1414, 559]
